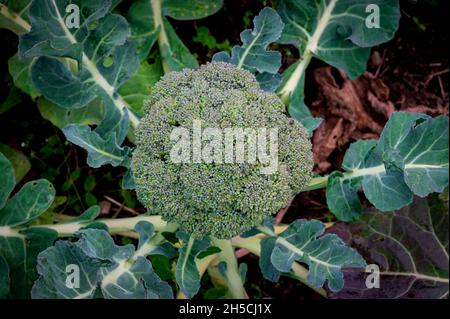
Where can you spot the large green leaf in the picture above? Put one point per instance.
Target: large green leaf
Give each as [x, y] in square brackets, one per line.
[105, 269]
[28, 204]
[342, 197]
[410, 247]
[105, 60]
[148, 23]
[303, 241]
[411, 157]
[186, 272]
[253, 55]
[336, 32]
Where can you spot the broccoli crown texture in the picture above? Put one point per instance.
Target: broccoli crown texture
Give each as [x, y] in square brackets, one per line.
[217, 199]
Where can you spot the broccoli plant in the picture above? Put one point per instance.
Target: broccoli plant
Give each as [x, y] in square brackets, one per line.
[202, 206]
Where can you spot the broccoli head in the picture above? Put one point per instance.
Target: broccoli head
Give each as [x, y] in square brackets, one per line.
[217, 198]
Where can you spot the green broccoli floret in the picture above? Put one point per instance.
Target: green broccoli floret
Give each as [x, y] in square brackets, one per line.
[218, 199]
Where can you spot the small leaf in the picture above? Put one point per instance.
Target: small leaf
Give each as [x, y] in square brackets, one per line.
[252, 55]
[357, 153]
[269, 82]
[100, 151]
[4, 278]
[89, 183]
[174, 52]
[265, 264]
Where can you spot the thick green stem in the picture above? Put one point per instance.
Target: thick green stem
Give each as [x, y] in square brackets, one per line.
[17, 24]
[235, 285]
[115, 226]
[163, 40]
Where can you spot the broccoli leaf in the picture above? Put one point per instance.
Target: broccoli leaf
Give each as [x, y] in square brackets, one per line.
[411, 157]
[8, 179]
[265, 264]
[20, 163]
[304, 241]
[144, 31]
[19, 249]
[253, 55]
[105, 269]
[148, 24]
[337, 32]
[101, 150]
[4, 278]
[28, 204]
[410, 246]
[61, 117]
[186, 272]
[105, 59]
[20, 70]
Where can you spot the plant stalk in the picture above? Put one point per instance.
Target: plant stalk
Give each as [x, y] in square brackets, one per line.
[235, 285]
[163, 40]
[115, 226]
